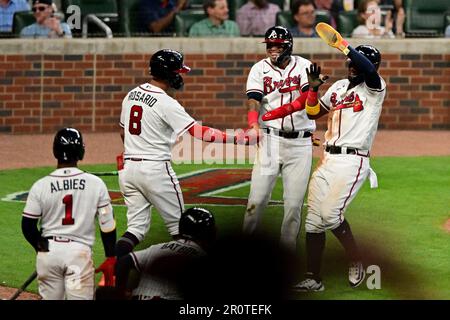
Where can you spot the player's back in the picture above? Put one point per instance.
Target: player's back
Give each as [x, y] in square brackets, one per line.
[145, 117]
[67, 201]
[161, 264]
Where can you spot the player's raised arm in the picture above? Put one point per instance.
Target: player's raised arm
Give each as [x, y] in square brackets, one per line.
[314, 109]
[367, 69]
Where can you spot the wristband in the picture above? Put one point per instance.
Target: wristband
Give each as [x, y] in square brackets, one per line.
[312, 98]
[312, 110]
[252, 118]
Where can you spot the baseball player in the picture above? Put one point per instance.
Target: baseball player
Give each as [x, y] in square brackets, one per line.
[151, 120]
[66, 204]
[286, 145]
[353, 106]
[160, 265]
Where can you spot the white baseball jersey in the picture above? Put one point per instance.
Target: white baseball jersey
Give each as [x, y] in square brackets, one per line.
[67, 202]
[152, 120]
[151, 285]
[355, 114]
[278, 87]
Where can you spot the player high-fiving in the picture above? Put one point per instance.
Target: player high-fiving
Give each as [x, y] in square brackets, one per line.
[151, 121]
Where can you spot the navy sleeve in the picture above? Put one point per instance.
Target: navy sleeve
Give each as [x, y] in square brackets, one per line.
[371, 77]
[255, 95]
[30, 231]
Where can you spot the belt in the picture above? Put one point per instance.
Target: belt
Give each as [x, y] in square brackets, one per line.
[289, 134]
[340, 150]
[137, 159]
[59, 239]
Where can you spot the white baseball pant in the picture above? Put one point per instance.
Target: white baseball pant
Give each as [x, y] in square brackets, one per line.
[293, 158]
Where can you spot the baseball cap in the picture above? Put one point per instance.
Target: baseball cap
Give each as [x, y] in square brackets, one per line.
[49, 2]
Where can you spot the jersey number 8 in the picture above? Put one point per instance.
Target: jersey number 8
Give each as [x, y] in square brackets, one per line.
[134, 126]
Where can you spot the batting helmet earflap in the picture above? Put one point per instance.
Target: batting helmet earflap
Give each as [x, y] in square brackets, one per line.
[68, 145]
[280, 35]
[197, 224]
[371, 53]
[167, 65]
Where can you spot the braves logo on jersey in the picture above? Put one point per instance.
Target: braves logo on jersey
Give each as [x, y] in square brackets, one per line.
[284, 85]
[350, 101]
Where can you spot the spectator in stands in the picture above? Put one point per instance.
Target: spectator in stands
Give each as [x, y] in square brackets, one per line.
[217, 23]
[304, 14]
[396, 17]
[256, 16]
[46, 25]
[7, 10]
[157, 16]
[447, 31]
[333, 7]
[369, 17]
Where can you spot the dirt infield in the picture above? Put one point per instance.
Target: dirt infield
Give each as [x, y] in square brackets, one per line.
[6, 293]
[27, 151]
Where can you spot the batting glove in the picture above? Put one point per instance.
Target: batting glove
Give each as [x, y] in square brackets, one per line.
[108, 268]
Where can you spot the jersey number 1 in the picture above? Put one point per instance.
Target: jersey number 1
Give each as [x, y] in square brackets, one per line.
[68, 219]
[134, 127]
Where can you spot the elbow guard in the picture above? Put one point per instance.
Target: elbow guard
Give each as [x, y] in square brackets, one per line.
[106, 218]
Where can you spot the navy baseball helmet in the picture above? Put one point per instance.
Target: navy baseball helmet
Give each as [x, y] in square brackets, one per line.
[197, 224]
[68, 145]
[371, 53]
[167, 65]
[282, 36]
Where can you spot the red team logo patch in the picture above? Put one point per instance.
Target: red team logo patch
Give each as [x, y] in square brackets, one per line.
[350, 101]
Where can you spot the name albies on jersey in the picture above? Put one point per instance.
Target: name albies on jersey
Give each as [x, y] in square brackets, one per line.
[152, 121]
[355, 114]
[67, 202]
[278, 87]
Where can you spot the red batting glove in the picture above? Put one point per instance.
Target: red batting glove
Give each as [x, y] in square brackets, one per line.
[119, 161]
[107, 267]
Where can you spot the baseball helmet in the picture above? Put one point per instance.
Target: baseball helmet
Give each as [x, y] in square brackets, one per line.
[167, 65]
[371, 53]
[197, 224]
[68, 145]
[280, 35]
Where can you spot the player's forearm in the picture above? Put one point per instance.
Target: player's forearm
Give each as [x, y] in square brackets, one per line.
[208, 134]
[30, 231]
[109, 242]
[123, 267]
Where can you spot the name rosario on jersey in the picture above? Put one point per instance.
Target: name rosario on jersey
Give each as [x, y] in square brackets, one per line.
[291, 84]
[68, 184]
[139, 96]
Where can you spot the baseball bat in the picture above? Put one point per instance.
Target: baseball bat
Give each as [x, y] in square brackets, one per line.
[99, 174]
[24, 285]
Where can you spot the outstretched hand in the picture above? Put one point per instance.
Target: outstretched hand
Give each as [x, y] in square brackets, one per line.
[247, 137]
[315, 78]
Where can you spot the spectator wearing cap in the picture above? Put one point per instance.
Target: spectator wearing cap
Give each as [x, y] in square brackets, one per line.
[7, 10]
[304, 14]
[217, 23]
[256, 16]
[46, 25]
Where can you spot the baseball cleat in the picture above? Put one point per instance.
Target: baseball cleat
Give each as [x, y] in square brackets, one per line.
[356, 274]
[309, 285]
